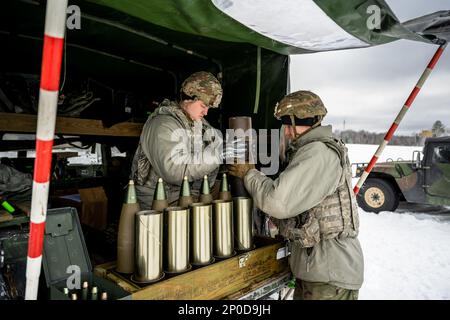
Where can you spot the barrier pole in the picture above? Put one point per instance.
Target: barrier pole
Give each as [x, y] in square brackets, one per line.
[55, 24]
[399, 118]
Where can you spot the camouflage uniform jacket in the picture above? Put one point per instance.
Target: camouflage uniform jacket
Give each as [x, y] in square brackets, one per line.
[154, 156]
[313, 173]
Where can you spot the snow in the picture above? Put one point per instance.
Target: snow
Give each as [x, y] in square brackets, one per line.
[405, 257]
[406, 253]
[364, 152]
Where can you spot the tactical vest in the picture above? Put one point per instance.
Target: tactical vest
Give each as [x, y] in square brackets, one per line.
[335, 216]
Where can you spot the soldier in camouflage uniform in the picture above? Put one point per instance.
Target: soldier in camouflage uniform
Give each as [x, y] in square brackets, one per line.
[313, 202]
[154, 157]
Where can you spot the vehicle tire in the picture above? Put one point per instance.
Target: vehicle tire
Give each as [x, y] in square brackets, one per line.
[377, 195]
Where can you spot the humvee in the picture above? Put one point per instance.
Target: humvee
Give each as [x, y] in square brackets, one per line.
[425, 179]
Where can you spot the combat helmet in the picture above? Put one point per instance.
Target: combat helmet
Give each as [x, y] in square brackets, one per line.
[300, 108]
[203, 86]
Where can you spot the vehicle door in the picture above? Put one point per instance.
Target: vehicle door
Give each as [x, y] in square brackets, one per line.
[437, 173]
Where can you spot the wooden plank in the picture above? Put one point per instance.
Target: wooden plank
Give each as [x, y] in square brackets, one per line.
[122, 282]
[268, 286]
[5, 216]
[17, 220]
[12, 122]
[106, 271]
[217, 281]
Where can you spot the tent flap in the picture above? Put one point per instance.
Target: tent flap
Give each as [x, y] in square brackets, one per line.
[435, 26]
[284, 26]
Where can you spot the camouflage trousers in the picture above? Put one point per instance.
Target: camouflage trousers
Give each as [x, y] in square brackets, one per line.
[322, 291]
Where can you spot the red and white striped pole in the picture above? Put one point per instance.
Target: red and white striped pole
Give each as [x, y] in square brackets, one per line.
[399, 118]
[55, 24]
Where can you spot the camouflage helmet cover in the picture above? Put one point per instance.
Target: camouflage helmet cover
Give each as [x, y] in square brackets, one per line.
[301, 104]
[203, 86]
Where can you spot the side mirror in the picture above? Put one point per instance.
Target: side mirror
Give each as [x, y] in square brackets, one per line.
[417, 159]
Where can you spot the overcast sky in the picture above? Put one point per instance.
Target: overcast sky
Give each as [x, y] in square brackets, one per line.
[367, 87]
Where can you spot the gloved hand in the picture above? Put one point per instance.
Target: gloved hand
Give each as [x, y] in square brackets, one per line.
[235, 149]
[219, 151]
[240, 169]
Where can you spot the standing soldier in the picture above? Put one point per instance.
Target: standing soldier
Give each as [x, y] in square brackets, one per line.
[313, 197]
[159, 154]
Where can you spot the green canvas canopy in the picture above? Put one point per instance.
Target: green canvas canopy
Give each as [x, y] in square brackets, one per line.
[149, 47]
[286, 26]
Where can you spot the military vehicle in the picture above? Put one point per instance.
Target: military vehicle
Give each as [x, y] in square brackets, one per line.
[425, 179]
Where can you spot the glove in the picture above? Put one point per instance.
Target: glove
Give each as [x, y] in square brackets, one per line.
[220, 152]
[235, 149]
[216, 152]
[240, 169]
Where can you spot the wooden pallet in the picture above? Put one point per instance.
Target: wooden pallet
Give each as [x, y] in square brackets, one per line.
[228, 278]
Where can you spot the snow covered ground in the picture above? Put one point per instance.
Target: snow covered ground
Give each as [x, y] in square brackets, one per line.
[364, 152]
[406, 253]
[405, 257]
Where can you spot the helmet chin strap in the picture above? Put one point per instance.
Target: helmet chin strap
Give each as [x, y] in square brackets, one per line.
[292, 120]
[294, 127]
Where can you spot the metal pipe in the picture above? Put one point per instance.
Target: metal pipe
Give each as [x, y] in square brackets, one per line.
[149, 254]
[201, 233]
[142, 34]
[223, 228]
[176, 239]
[399, 117]
[152, 38]
[243, 223]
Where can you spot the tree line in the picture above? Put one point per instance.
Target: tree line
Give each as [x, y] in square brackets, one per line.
[365, 137]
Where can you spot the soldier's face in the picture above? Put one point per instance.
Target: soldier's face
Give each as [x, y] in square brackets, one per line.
[196, 109]
[289, 132]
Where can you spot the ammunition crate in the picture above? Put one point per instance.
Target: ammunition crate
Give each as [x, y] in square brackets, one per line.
[232, 278]
[114, 291]
[65, 255]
